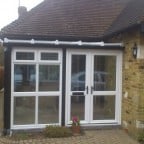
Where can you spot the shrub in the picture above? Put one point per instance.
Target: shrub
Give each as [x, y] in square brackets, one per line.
[57, 131]
[20, 136]
[141, 137]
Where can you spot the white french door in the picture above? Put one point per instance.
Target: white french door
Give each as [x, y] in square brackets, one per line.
[93, 86]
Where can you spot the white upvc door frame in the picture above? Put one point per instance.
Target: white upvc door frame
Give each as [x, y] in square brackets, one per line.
[89, 77]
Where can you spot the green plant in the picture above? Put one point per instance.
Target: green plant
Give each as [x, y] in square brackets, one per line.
[57, 131]
[141, 137]
[20, 136]
[75, 121]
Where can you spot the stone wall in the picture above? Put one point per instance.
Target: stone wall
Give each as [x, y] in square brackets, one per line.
[133, 83]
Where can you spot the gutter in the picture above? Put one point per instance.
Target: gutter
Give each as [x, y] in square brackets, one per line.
[57, 42]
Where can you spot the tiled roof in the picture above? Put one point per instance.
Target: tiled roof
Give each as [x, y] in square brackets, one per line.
[133, 14]
[78, 18]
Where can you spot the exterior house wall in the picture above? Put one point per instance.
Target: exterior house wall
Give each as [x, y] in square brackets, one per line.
[133, 83]
[1, 110]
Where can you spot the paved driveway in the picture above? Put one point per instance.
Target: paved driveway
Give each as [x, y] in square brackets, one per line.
[90, 137]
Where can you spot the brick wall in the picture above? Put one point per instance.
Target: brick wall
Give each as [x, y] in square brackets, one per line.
[133, 83]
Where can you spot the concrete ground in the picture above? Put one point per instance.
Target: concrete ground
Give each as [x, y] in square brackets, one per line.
[115, 136]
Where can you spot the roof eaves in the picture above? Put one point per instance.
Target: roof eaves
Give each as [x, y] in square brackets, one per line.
[114, 33]
[53, 37]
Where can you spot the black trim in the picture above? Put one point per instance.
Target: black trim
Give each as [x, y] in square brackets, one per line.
[7, 89]
[63, 85]
[54, 37]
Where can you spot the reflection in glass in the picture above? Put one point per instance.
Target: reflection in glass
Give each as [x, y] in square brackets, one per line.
[49, 56]
[49, 77]
[78, 72]
[48, 110]
[103, 107]
[24, 78]
[24, 110]
[78, 106]
[24, 55]
[104, 73]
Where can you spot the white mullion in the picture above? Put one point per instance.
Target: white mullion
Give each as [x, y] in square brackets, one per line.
[36, 109]
[60, 55]
[12, 89]
[117, 84]
[107, 93]
[92, 85]
[37, 92]
[118, 88]
[88, 110]
[68, 87]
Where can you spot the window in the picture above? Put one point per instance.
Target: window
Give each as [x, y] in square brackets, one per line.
[49, 56]
[24, 56]
[36, 87]
[49, 77]
[24, 78]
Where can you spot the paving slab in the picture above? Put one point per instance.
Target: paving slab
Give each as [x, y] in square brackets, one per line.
[117, 136]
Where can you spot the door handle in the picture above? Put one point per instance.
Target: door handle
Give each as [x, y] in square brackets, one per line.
[87, 89]
[92, 88]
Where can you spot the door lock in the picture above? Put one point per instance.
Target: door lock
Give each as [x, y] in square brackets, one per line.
[92, 89]
[87, 89]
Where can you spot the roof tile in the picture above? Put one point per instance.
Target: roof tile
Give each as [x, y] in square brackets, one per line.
[79, 18]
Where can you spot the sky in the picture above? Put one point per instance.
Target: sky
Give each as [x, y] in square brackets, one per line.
[9, 9]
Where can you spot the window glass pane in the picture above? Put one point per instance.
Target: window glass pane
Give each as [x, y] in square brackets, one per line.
[49, 77]
[24, 55]
[78, 72]
[24, 78]
[78, 106]
[103, 107]
[104, 73]
[48, 111]
[49, 56]
[24, 110]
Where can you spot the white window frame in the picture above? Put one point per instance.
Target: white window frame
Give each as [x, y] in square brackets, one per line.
[36, 93]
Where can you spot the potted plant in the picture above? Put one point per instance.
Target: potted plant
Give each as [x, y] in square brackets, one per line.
[75, 124]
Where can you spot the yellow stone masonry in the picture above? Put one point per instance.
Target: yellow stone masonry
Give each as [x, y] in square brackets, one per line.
[133, 83]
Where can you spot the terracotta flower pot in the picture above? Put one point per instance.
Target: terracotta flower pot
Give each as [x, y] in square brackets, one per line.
[75, 129]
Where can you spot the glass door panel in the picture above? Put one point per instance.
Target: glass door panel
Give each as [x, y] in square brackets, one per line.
[104, 81]
[104, 75]
[78, 106]
[78, 68]
[103, 107]
[78, 82]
